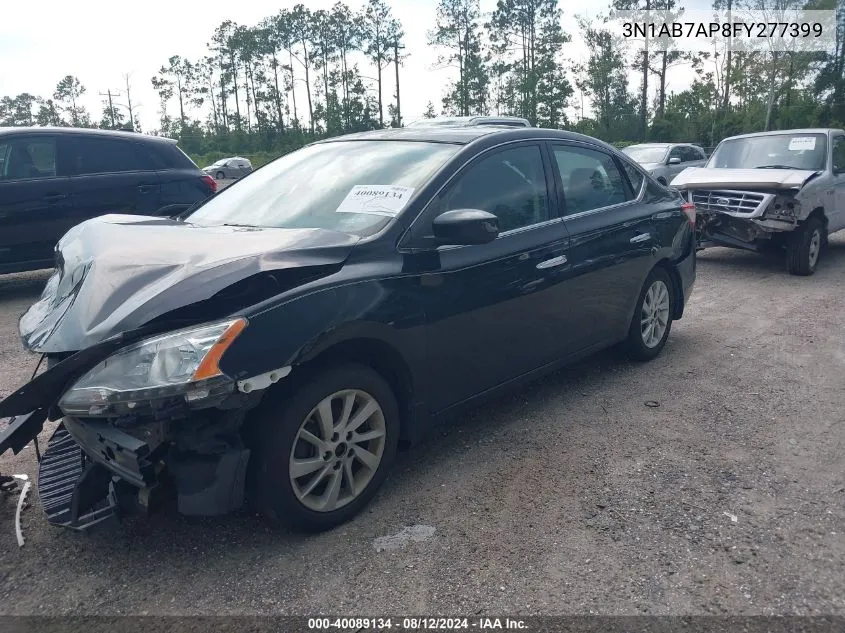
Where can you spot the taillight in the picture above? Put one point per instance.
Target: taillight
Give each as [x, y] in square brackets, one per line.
[689, 210]
[212, 184]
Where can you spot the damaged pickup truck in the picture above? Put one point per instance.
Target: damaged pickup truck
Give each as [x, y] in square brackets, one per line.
[272, 348]
[772, 191]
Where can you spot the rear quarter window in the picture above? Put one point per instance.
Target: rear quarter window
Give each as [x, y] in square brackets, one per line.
[168, 156]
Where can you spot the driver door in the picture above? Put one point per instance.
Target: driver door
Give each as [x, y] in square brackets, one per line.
[491, 311]
[674, 170]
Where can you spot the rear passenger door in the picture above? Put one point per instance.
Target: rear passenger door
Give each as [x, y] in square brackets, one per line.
[112, 175]
[612, 236]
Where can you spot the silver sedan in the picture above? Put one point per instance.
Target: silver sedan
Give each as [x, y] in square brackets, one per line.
[664, 161]
[229, 168]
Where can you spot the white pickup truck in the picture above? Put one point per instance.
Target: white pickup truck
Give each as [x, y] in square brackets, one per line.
[780, 190]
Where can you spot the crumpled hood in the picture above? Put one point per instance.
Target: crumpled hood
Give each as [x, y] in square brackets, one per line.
[693, 177]
[117, 272]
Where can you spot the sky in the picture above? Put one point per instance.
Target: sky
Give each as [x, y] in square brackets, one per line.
[99, 43]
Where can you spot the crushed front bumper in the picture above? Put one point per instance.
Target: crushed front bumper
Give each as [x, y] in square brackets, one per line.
[719, 229]
[75, 492]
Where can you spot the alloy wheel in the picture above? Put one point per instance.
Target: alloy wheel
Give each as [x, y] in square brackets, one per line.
[654, 315]
[337, 450]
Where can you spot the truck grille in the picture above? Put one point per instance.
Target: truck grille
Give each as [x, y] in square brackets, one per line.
[733, 202]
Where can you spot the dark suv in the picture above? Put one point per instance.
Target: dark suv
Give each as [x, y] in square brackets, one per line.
[54, 178]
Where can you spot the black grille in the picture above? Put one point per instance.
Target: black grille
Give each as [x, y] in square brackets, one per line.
[58, 473]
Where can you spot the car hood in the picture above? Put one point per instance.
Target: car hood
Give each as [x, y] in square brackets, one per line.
[693, 177]
[118, 272]
[651, 166]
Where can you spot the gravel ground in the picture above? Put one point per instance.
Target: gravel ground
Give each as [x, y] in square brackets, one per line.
[571, 496]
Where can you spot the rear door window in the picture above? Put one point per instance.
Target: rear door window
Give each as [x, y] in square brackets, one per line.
[590, 178]
[635, 177]
[28, 158]
[106, 156]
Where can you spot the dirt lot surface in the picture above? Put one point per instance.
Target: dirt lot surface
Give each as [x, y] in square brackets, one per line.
[571, 496]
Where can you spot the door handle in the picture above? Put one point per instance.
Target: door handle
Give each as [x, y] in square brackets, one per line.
[642, 237]
[551, 263]
[146, 188]
[55, 197]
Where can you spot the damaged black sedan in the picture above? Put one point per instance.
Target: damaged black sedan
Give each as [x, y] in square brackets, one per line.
[275, 345]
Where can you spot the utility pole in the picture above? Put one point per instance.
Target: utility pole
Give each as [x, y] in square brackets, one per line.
[129, 100]
[396, 64]
[111, 106]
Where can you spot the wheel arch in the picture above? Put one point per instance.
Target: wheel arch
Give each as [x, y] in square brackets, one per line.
[819, 212]
[677, 286]
[376, 353]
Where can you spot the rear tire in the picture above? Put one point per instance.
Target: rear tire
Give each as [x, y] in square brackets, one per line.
[346, 467]
[804, 247]
[652, 320]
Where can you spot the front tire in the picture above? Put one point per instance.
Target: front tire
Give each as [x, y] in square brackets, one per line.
[325, 447]
[219, 176]
[804, 247]
[652, 320]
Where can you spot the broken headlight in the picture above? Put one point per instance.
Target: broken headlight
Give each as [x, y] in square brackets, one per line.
[179, 365]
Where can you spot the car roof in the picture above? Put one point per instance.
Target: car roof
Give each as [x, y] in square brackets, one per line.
[135, 136]
[504, 121]
[809, 130]
[464, 135]
[663, 145]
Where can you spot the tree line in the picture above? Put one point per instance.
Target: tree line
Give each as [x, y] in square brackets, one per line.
[244, 95]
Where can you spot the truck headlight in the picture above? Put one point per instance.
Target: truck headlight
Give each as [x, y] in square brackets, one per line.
[181, 364]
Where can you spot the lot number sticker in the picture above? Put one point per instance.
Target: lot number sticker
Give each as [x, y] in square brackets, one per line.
[386, 200]
[801, 143]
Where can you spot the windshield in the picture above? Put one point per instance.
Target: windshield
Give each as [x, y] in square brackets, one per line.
[220, 162]
[776, 151]
[313, 187]
[646, 154]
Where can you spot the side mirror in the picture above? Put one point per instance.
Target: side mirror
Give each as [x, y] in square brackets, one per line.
[674, 161]
[463, 227]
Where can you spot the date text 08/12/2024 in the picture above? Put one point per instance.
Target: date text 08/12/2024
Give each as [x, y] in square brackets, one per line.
[416, 624]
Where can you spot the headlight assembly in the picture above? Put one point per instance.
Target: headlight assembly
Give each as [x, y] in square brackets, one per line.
[178, 365]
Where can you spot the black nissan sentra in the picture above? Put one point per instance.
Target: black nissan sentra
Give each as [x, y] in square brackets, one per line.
[276, 345]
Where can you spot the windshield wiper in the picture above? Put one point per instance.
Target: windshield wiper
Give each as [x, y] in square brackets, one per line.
[776, 167]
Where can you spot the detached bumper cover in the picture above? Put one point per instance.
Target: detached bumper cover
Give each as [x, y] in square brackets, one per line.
[21, 430]
[74, 492]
